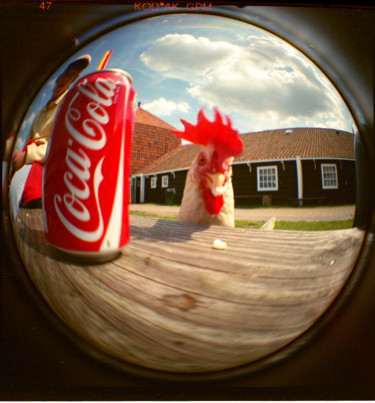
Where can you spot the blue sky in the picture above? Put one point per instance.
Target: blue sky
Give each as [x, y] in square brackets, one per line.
[180, 62]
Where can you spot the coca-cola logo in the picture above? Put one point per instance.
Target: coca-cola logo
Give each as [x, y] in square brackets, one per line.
[85, 134]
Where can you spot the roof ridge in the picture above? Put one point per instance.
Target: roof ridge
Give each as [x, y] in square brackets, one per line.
[153, 119]
[297, 128]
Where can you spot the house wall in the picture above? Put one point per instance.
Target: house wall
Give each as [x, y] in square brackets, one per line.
[245, 183]
[312, 182]
[135, 189]
[176, 181]
[246, 191]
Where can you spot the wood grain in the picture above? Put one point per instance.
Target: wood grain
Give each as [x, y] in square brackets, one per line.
[172, 302]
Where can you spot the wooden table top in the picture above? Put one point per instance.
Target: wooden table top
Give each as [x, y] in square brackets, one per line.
[171, 302]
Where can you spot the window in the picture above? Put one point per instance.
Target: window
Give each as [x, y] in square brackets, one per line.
[329, 176]
[267, 178]
[154, 182]
[164, 181]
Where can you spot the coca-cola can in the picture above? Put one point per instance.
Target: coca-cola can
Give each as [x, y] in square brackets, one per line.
[86, 173]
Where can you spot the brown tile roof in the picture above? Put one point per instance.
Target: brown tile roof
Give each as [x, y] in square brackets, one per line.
[303, 142]
[180, 158]
[270, 145]
[146, 118]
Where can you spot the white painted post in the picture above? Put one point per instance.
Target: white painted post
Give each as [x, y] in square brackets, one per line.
[142, 189]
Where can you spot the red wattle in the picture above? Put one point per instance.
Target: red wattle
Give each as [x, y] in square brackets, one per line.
[212, 204]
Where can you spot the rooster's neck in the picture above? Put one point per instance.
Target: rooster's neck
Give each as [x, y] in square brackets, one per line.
[193, 207]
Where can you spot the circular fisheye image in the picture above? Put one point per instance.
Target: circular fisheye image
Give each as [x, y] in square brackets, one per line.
[182, 193]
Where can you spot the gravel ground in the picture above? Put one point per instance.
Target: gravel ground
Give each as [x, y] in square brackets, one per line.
[259, 214]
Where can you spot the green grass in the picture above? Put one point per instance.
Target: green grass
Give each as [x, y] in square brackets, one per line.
[249, 224]
[284, 206]
[300, 225]
[313, 225]
[279, 225]
[145, 214]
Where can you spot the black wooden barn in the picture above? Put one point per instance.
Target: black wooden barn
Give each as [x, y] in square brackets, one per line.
[300, 166]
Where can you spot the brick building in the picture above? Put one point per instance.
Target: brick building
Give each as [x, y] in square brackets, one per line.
[152, 138]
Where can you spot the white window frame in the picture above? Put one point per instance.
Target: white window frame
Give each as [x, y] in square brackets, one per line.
[154, 182]
[268, 188]
[164, 181]
[326, 185]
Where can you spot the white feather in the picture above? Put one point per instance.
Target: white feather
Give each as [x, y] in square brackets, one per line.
[192, 206]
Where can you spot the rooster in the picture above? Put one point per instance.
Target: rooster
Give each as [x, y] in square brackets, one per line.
[208, 194]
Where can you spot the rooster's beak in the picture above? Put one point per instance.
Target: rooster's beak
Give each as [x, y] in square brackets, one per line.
[217, 183]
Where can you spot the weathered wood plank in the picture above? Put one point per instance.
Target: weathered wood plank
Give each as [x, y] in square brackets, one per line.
[172, 302]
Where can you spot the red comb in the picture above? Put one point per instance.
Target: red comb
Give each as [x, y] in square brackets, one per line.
[216, 133]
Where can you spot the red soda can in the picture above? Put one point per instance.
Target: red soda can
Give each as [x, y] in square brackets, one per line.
[86, 174]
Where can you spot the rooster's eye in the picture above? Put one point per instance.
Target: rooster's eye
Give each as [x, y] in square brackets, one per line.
[201, 160]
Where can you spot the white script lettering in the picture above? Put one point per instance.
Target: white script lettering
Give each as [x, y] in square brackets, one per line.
[89, 134]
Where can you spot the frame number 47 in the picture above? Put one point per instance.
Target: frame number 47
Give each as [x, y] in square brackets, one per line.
[45, 5]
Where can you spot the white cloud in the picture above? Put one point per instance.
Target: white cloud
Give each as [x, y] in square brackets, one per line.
[261, 78]
[163, 107]
[174, 53]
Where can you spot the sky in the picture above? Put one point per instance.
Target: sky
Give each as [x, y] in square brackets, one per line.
[181, 62]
